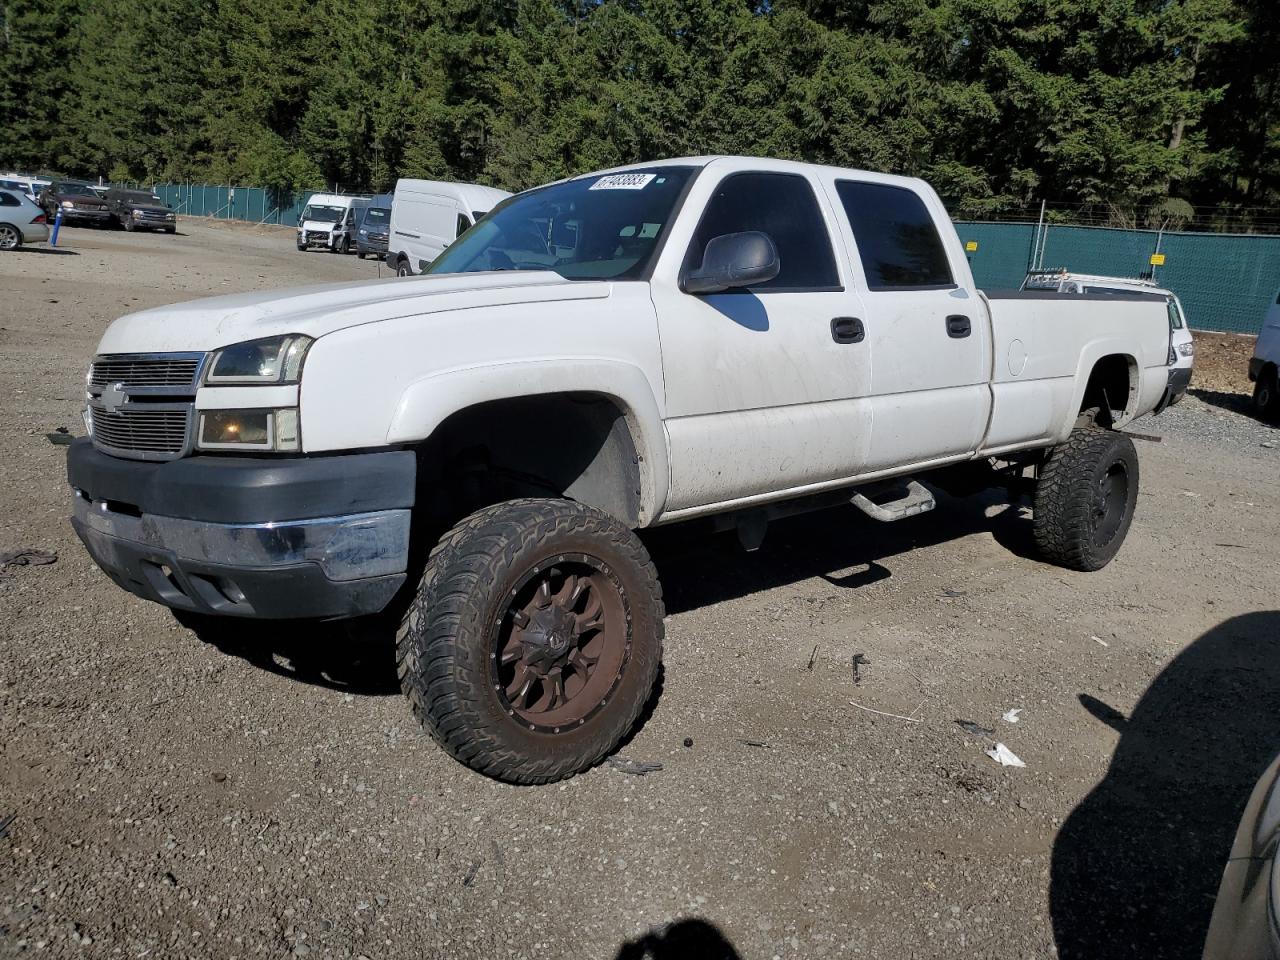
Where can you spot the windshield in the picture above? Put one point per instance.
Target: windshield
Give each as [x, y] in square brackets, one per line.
[139, 196]
[72, 186]
[595, 228]
[1175, 315]
[376, 215]
[323, 214]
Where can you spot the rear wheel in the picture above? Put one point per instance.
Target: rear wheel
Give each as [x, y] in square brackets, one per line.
[1085, 499]
[10, 237]
[534, 640]
[402, 268]
[1266, 396]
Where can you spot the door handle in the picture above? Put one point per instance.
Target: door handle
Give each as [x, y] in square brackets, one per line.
[958, 326]
[847, 330]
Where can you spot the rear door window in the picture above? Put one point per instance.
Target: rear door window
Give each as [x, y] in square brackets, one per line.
[783, 206]
[897, 239]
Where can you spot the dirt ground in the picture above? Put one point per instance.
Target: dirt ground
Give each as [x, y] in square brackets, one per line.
[270, 794]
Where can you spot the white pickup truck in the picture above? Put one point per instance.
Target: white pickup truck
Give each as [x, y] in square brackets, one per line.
[467, 454]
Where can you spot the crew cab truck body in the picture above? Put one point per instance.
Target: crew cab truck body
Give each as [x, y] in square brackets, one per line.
[464, 457]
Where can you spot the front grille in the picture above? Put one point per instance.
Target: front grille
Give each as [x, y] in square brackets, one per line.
[152, 215]
[142, 405]
[315, 236]
[179, 373]
[380, 237]
[160, 432]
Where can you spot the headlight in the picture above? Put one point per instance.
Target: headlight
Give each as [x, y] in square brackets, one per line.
[249, 430]
[136, 213]
[269, 361]
[67, 205]
[1187, 349]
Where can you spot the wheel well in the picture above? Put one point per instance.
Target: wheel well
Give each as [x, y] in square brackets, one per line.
[574, 445]
[1111, 391]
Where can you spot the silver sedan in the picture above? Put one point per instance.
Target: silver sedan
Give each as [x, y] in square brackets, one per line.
[21, 221]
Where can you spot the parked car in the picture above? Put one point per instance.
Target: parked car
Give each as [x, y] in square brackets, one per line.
[728, 336]
[78, 202]
[375, 225]
[1246, 915]
[1264, 365]
[428, 215]
[21, 220]
[30, 186]
[329, 221]
[1181, 343]
[140, 210]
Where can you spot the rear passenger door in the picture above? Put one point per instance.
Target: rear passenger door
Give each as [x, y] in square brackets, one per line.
[927, 331]
[765, 387]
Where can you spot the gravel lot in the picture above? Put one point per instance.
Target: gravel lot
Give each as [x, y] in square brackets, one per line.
[271, 795]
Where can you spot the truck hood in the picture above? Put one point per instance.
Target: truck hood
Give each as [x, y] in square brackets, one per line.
[202, 325]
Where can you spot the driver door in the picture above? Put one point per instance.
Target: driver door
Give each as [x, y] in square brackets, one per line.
[767, 387]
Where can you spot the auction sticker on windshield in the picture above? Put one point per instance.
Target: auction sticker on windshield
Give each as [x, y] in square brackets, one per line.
[623, 181]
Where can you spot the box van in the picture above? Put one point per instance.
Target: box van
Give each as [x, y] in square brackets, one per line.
[329, 221]
[428, 215]
[1264, 367]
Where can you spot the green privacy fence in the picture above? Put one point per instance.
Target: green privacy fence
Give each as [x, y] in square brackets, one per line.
[1225, 281]
[227, 202]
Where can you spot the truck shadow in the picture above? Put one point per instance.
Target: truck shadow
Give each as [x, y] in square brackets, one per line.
[688, 939]
[336, 656]
[1136, 865]
[698, 569]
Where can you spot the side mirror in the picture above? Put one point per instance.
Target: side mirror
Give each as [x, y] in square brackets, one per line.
[734, 260]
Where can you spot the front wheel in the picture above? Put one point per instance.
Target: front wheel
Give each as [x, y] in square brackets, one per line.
[534, 640]
[1266, 396]
[1085, 499]
[402, 268]
[127, 223]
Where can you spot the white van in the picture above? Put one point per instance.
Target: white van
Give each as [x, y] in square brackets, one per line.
[329, 220]
[1264, 365]
[428, 215]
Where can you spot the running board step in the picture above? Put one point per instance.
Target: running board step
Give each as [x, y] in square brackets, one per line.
[917, 499]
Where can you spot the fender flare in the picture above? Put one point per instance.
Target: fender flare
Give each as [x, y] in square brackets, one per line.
[1094, 351]
[428, 402]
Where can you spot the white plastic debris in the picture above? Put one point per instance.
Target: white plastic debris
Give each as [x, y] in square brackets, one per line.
[1011, 716]
[1099, 640]
[1004, 756]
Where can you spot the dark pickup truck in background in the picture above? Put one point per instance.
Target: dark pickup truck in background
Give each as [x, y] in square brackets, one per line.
[140, 210]
[77, 201]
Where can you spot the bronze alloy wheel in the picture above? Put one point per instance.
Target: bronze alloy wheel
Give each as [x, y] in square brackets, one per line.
[563, 645]
[534, 640]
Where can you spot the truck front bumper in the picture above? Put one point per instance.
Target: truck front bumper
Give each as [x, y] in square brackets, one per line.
[323, 537]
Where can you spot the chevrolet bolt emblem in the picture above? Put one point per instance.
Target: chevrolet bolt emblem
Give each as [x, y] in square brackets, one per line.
[113, 397]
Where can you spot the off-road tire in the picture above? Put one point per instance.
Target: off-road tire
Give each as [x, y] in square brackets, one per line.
[446, 640]
[1074, 526]
[1266, 396]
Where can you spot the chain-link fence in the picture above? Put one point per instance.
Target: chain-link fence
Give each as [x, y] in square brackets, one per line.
[227, 202]
[1225, 281]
